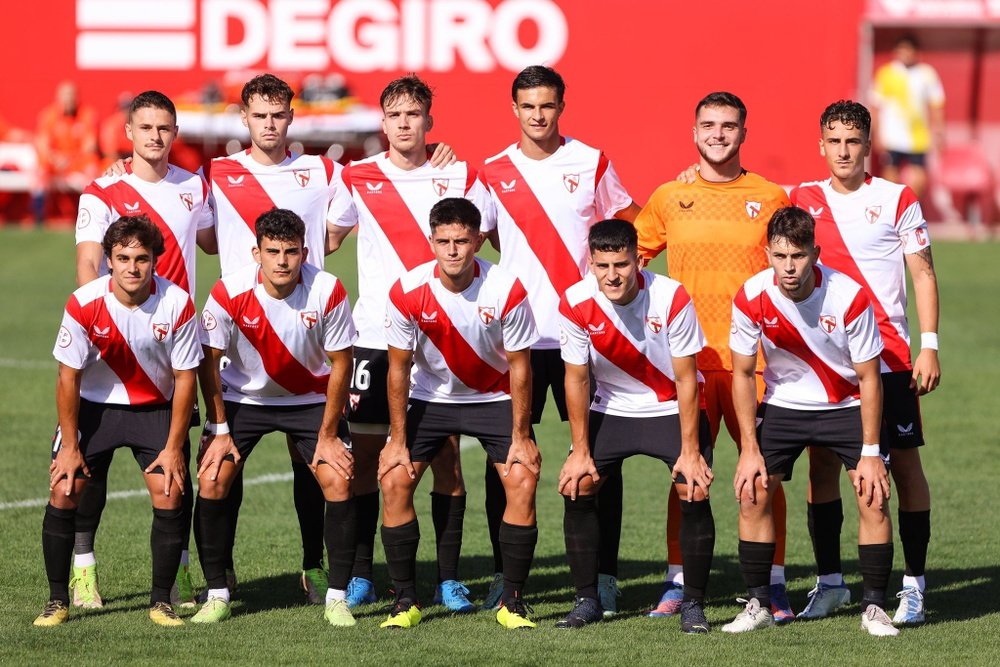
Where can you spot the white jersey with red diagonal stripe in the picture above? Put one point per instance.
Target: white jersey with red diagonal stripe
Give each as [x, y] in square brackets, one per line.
[545, 209]
[811, 346]
[631, 348]
[865, 234]
[392, 209]
[277, 347]
[178, 205]
[460, 340]
[128, 355]
[243, 188]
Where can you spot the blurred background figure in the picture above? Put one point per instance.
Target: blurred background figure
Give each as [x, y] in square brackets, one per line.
[111, 137]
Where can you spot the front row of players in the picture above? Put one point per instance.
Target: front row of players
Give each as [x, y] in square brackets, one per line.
[465, 328]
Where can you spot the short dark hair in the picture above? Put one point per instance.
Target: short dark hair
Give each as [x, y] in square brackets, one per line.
[267, 87]
[907, 38]
[131, 230]
[793, 224]
[848, 112]
[152, 99]
[613, 235]
[722, 99]
[538, 76]
[280, 224]
[455, 210]
[410, 86]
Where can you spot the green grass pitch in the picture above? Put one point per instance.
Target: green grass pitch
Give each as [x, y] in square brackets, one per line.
[272, 624]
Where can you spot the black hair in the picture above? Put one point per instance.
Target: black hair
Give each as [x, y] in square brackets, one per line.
[455, 210]
[722, 99]
[267, 87]
[613, 236]
[152, 99]
[793, 224]
[133, 230]
[280, 224]
[850, 113]
[410, 86]
[538, 76]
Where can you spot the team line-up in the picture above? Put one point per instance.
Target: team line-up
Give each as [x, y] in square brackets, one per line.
[783, 318]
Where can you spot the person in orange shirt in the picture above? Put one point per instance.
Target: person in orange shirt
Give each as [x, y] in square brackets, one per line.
[714, 228]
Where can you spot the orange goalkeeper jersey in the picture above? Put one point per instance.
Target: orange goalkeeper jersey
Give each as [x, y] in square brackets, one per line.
[714, 234]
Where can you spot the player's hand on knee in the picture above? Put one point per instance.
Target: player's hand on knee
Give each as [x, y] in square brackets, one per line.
[871, 481]
[695, 471]
[214, 450]
[334, 453]
[395, 454]
[926, 372]
[576, 467]
[174, 470]
[750, 466]
[64, 467]
[525, 452]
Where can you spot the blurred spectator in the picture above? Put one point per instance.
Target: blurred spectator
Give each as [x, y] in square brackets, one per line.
[908, 102]
[111, 137]
[67, 152]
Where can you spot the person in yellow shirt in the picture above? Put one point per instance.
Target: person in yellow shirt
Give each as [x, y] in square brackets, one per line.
[713, 226]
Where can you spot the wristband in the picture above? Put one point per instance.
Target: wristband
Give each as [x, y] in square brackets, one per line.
[217, 429]
[928, 340]
[870, 450]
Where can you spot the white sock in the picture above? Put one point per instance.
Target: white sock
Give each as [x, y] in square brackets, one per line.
[777, 574]
[335, 594]
[221, 593]
[835, 579]
[185, 557]
[675, 574]
[84, 560]
[914, 582]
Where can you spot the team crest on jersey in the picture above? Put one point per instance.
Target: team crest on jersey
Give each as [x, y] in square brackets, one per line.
[83, 219]
[355, 400]
[301, 177]
[251, 323]
[828, 323]
[753, 209]
[487, 314]
[374, 188]
[687, 206]
[160, 331]
[508, 186]
[235, 181]
[440, 186]
[208, 321]
[132, 208]
[596, 329]
[654, 323]
[571, 181]
[872, 213]
[187, 199]
[309, 318]
[65, 337]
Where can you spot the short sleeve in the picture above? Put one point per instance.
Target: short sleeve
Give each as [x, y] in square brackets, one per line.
[400, 329]
[72, 346]
[341, 212]
[863, 337]
[684, 332]
[745, 331]
[339, 332]
[610, 195]
[517, 321]
[93, 217]
[574, 343]
[216, 320]
[185, 352]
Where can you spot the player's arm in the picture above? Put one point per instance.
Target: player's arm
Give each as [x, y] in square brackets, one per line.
[68, 459]
[395, 453]
[330, 448]
[171, 459]
[927, 367]
[523, 449]
[691, 464]
[216, 442]
[335, 235]
[871, 480]
[89, 256]
[580, 462]
[207, 241]
[751, 462]
[649, 226]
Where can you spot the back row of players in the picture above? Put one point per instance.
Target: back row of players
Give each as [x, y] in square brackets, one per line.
[478, 335]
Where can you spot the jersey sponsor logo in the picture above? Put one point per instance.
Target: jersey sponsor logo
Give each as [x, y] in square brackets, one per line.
[872, 213]
[508, 186]
[771, 323]
[828, 323]
[816, 212]
[687, 206]
[132, 208]
[301, 177]
[753, 209]
[596, 329]
[160, 331]
[64, 338]
[83, 219]
[309, 318]
[235, 181]
[905, 430]
[428, 318]
[208, 321]
[187, 199]
[654, 323]
[440, 186]
[101, 333]
[252, 323]
[374, 188]
[487, 314]
[571, 182]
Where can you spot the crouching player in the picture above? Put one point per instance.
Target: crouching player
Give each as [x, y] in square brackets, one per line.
[638, 333]
[821, 348]
[279, 321]
[127, 351]
[466, 326]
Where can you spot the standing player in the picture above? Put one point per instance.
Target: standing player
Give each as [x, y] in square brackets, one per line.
[176, 201]
[713, 225]
[127, 352]
[869, 229]
[549, 190]
[638, 333]
[821, 345]
[467, 326]
[393, 193]
[279, 322]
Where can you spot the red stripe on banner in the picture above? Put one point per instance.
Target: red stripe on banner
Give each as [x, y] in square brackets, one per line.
[390, 213]
[243, 191]
[531, 218]
[787, 337]
[279, 364]
[170, 265]
[620, 351]
[516, 297]
[681, 299]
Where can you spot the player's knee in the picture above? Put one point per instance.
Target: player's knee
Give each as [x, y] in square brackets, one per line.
[520, 484]
[61, 501]
[212, 489]
[165, 502]
[396, 485]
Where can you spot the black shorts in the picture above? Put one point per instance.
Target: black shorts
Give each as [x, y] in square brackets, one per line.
[105, 427]
[783, 433]
[548, 370]
[614, 438]
[249, 423]
[429, 425]
[367, 399]
[897, 158]
[901, 425]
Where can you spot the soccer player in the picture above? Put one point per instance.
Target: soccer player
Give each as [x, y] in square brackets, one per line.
[869, 229]
[467, 326]
[127, 351]
[713, 223]
[821, 346]
[176, 201]
[393, 193]
[279, 322]
[638, 334]
[549, 190]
